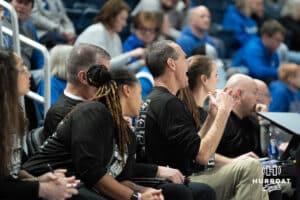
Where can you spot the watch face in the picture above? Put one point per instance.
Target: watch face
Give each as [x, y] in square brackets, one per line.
[135, 196]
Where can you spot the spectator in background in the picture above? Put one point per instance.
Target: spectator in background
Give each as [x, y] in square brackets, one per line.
[290, 19]
[81, 57]
[14, 182]
[285, 91]
[33, 58]
[237, 18]
[263, 94]
[196, 33]
[259, 54]
[110, 21]
[53, 24]
[175, 10]
[146, 28]
[259, 15]
[257, 12]
[58, 58]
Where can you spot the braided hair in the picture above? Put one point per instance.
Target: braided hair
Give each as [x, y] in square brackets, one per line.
[107, 94]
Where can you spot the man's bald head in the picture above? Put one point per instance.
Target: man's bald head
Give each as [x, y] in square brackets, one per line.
[263, 94]
[199, 18]
[198, 10]
[239, 81]
[245, 89]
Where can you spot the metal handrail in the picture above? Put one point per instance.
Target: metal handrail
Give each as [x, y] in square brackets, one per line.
[45, 52]
[15, 25]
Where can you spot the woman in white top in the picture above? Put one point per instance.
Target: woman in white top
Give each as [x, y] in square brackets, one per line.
[110, 20]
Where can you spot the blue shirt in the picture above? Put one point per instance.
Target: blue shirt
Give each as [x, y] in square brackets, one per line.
[146, 80]
[143, 75]
[131, 43]
[57, 88]
[283, 98]
[188, 41]
[261, 62]
[244, 27]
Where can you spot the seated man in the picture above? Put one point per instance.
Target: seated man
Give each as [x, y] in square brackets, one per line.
[81, 57]
[196, 33]
[171, 136]
[241, 134]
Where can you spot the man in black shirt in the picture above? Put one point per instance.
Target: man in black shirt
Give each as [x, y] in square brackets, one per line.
[171, 136]
[77, 90]
[242, 131]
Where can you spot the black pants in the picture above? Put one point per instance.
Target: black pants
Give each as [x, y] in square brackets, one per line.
[171, 191]
[192, 191]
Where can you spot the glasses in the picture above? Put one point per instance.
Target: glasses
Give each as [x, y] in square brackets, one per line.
[147, 30]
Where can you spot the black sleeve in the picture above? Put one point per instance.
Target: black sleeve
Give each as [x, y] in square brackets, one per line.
[144, 170]
[16, 189]
[92, 142]
[50, 123]
[179, 128]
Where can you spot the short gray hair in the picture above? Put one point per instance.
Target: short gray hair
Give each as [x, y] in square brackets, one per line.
[82, 57]
[157, 56]
[58, 59]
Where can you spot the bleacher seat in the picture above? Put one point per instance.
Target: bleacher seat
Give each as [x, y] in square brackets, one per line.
[86, 19]
[68, 3]
[97, 3]
[83, 6]
[227, 37]
[75, 16]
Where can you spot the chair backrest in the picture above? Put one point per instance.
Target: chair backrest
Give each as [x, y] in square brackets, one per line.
[34, 139]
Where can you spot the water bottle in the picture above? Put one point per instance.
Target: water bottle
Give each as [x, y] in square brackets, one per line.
[273, 149]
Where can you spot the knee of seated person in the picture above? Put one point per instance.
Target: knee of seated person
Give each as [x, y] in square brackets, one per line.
[251, 167]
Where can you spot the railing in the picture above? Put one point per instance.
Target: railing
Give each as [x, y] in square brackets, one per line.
[16, 41]
[15, 25]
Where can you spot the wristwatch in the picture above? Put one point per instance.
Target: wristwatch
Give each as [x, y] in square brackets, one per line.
[136, 196]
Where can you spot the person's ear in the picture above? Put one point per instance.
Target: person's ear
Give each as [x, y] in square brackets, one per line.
[81, 76]
[203, 78]
[239, 93]
[171, 64]
[235, 93]
[126, 90]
